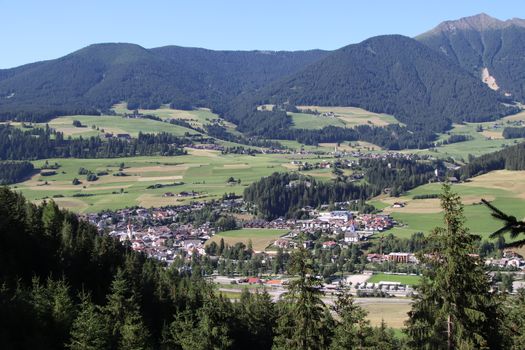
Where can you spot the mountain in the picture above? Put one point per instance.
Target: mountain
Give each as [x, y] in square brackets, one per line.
[396, 75]
[490, 49]
[98, 76]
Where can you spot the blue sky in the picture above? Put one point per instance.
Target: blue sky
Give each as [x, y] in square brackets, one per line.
[44, 29]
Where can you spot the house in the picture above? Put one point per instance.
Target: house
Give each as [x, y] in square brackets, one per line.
[329, 244]
[452, 179]
[351, 237]
[254, 280]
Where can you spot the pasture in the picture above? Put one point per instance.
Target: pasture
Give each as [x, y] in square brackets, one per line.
[115, 125]
[505, 189]
[261, 238]
[203, 173]
[351, 116]
[488, 140]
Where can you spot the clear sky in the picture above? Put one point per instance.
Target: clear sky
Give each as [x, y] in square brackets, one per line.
[35, 30]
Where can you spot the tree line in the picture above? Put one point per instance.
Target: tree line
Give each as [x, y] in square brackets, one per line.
[510, 158]
[13, 172]
[41, 143]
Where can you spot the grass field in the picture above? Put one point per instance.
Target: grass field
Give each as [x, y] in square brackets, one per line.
[261, 238]
[202, 171]
[486, 141]
[505, 189]
[115, 125]
[350, 116]
[394, 314]
[403, 279]
[311, 121]
[197, 118]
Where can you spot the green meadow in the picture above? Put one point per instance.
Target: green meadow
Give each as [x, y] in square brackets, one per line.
[203, 172]
[504, 189]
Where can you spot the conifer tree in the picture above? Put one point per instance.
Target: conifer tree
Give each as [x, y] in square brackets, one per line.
[89, 331]
[303, 323]
[352, 330]
[454, 307]
[133, 333]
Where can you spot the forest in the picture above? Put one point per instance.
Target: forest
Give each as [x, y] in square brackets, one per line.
[13, 172]
[285, 194]
[39, 143]
[513, 133]
[276, 124]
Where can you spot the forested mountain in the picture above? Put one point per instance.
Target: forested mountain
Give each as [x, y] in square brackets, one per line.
[426, 83]
[395, 75]
[98, 76]
[480, 42]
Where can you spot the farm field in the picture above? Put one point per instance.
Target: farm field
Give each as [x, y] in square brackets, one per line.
[505, 189]
[201, 171]
[197, 117]
[261, 238]
[403, 279]
[115, 125]
[349, 116]
[311, 121]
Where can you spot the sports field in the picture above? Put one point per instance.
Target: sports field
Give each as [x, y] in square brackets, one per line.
[403, 279]
[393, 312]
[261, 238]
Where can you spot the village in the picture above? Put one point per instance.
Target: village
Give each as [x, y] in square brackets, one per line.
[159, 234]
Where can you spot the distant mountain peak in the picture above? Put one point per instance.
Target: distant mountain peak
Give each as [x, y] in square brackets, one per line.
[480, 22]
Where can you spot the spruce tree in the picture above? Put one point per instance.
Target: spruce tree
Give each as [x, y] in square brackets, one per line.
[89, 331]
[303, 323]
[353, 330]
[133, 333]
[454, 307]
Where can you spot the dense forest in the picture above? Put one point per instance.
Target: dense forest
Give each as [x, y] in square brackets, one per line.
[510, 158]
[513, 133]
[277, 124]
[39, 143]
[94, 78]
[13, 172]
